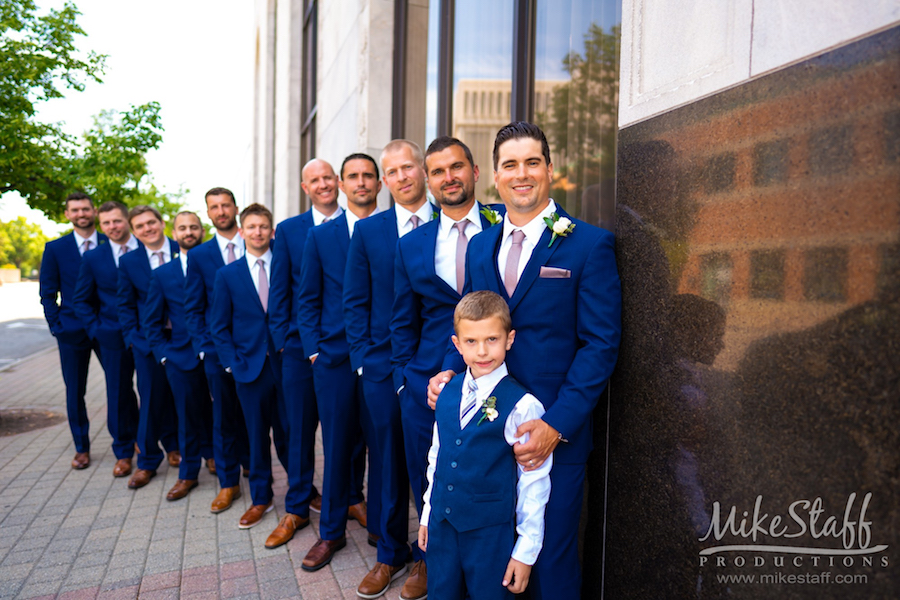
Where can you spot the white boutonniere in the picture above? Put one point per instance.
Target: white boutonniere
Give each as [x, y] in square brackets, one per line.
[488, 410]
[174, 256]
[559, 226]
[491, 215]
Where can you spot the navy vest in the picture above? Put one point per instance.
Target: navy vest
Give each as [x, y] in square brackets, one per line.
[475, 478]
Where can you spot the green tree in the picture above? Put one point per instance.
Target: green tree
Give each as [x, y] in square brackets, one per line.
[21, 244]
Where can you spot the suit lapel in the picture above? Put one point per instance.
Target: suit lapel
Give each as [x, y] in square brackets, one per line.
[489, 262]
[539, 256]
[389, 228]
[247, 282]
[431, 234]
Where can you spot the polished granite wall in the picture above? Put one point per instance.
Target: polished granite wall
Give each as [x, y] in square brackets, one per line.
[759, 247]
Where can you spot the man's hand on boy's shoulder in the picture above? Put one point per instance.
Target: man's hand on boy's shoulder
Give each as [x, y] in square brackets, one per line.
[436, 384]
[542, 440]
[516, 577]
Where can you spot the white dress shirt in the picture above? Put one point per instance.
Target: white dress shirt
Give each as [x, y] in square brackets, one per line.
[319, 217]
[154, 259]
[533, 487]
[254, 267]
[533, 231]
[131, 244]
[404, 226]
[445, 247]
[79, 241]
[223, 242]
[182, 257]
[352, 219]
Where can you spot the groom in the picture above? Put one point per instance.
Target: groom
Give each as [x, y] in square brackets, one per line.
[564, 296]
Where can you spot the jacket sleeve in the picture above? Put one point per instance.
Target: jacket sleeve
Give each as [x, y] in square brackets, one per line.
[85, 303]
[195, 306]
[220, 321]
[406, 323]
[153, 320]
[309, 312]
[280, 293]
[126, 306]
[50, 288]
[357, 300]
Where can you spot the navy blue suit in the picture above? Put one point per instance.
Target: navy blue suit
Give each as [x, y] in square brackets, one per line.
[158, 418]
[240, 330]
[163, 323]
[58, 278]
[230, 446]
[95, 303]
[321, 326]
[296, 370]
[368, 298]
[568, 326]
[421, 326]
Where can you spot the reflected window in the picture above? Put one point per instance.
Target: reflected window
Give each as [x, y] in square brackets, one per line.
[719, 174]
[767, 274]
[825, 274]
[770, 160]
[308, 104]
[716, 277]
[831, 150]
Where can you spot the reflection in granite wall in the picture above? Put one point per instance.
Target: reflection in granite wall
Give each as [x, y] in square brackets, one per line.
[754, 414]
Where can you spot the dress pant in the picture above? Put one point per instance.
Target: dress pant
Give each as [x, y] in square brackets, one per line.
[230, 446]
[418, 425]
[158, 420]
[263, 406]
[194, 407]
[383, 408]
[303, 420]
[470, 564]
[74, 360]
[121, 401]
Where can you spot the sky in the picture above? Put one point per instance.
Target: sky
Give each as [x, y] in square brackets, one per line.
[196, 59]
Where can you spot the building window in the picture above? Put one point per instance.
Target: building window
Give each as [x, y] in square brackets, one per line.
[767, 274]
[770, 160]
[308, 92]
[825, 274]
[720, 173]
[831, 150]
[715, 277]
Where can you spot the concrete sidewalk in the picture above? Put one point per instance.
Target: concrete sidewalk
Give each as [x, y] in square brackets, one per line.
[84, 534]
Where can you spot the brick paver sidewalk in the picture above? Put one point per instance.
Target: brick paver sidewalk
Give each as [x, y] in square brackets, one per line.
[84, 534]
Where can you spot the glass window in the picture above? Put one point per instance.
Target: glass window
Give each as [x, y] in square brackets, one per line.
[825, 274]
[767, 274]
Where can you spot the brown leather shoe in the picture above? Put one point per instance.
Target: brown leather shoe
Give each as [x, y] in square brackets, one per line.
[225, 498]
[358, 513]
[379, 580]
[416, 586]
[141, 478]
[321, 553]
[82, 460]
[287, 527]
[122, 468]
[373, 540]
[181, 489]
[211, 465]
[315, 504]
[254, 515]
[174, 458]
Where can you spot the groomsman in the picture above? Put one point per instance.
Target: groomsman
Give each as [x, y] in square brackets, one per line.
[230, 447]
[95, 304]
[240, 330]
[59, 275]
[163, 322]
[320, 184]
[564, 295]
[368, 297]
[429, 276]
[321, 328]
[158, 419]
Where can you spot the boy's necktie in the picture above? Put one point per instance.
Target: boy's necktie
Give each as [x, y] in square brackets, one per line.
[470, 400]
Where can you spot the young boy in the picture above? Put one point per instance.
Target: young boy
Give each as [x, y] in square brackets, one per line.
[480, 497]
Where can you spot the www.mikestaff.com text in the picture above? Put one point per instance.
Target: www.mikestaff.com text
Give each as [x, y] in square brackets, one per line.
[779, 578]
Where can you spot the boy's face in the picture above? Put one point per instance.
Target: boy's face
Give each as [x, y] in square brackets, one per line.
[483, 344]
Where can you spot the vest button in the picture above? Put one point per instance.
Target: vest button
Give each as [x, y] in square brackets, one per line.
[458, 442]
[447, 510]
[453, 465]
[450, 488]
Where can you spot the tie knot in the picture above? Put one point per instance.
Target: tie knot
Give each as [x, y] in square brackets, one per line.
[260, 263]
[415, 221]
[473, 387]
[461, 226]
[518, 236]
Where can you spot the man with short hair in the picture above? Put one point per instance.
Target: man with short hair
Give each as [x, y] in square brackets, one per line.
[164, 325]
[429, 275]
[95, 304]
[321, 327]
[230, 447]
[559, 276]
[158, 420]
[240, 330]
[368, 297]
[59, 274]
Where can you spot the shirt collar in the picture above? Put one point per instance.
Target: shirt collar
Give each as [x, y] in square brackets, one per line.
[352, 218]
[182, 256]
[486, 383]
[167, 254]
[318, 216]
[534, 229]
[251, 260]
[79, 241]
[424, 213]
[131, 244]
[447, 223]
[224, 241]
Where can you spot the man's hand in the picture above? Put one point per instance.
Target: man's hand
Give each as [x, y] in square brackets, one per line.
[423, 538]
[542, 440]
[436, 384]
[516, 577]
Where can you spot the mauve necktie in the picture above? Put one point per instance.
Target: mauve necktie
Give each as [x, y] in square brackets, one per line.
[160, 257]
[85, 246]
[123, 250]
[263, 285]
[512, 262]
[415, 220]
[462, 242]
[231, 257]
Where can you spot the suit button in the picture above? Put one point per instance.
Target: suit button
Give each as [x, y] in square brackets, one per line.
[453, 465]
[450, 488]
[447, 510]
[458, 442]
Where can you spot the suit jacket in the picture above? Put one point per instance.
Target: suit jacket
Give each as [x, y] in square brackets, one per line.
[422, 313]
[320, 315]
[164, 304]
[238, 323]
[203, 263]
[58, 279]
[567, 327]
[284, 290]
[134, 280]
[96, 296]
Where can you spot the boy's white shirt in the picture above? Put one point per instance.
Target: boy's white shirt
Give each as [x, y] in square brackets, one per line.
[533, 487]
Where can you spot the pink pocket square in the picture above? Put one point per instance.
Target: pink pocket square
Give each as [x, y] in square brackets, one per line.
[555, 273]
